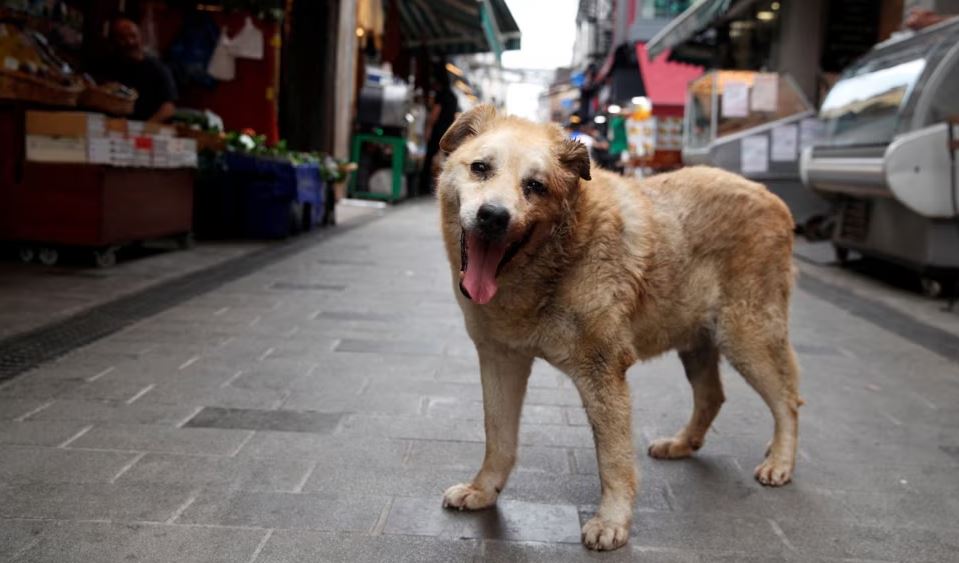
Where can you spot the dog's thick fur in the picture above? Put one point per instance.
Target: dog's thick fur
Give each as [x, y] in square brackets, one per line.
[612, 271]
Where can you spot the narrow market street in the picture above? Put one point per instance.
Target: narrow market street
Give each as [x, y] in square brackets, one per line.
[315, 408]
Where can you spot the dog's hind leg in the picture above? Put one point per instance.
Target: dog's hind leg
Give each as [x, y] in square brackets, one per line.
[607, 402]
[762, 354]
[504, 375]
[702, 371]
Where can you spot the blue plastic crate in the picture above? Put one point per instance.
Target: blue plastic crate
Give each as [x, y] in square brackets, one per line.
[275, 198]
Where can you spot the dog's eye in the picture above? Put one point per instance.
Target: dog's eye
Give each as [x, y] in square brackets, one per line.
[479, 167]
[533, 187]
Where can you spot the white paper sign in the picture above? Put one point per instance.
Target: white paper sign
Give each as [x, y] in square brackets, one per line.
[754, 154]
[784, 143]
[765, 95]
[735, 99]
[810, 131]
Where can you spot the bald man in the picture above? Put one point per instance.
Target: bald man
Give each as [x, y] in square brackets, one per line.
[132, 67]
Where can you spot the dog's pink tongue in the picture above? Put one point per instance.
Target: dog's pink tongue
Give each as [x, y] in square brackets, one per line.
[483, 260]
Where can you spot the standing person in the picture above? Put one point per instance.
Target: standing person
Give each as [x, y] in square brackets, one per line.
[442, 114]
[131, 66]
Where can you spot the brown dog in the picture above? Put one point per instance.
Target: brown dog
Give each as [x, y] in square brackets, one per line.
[593, 272]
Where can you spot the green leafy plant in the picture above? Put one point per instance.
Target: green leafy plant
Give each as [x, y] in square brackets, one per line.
[248, 141]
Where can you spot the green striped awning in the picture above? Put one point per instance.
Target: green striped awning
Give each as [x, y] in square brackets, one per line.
[458, 27]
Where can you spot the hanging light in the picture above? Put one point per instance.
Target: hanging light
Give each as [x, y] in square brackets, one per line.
[613, 108]
[600, 119]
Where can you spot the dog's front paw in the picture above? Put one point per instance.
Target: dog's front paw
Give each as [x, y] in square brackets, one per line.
[467, 497]
[671, 448]
[604, 535]
[773, 472]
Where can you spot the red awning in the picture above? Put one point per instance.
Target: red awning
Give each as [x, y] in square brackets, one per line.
[665, 81]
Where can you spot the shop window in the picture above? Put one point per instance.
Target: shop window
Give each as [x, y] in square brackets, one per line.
[776, 98]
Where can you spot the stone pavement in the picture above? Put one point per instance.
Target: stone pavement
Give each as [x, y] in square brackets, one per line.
[316, 409]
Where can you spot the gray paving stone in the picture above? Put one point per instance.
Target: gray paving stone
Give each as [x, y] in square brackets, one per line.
[286, 511]
[114, 412]
[904, 509]
[38, 433]
[295, 546]
[335, 450]
[331, 478]
[18, 535]
[83, 542]
[91, 501]
[275, 420]
[854, 541]
[372, 403]
[53, 465]
[452, 407]
[410, 427]
[143, 437]
[540, 552]
[390, 347]
[220, 473]
[706, 533]
[11, 409]
[469, 455]
[29, 386]
[508, 520]
[212, 394]
[875, 478]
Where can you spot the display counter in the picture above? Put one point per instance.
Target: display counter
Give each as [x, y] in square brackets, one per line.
[754, 124]
[46, 206]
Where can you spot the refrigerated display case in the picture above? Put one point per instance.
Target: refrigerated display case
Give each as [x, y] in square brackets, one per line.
[887, 159]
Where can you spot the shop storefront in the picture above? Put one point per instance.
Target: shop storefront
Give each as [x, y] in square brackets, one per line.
[774, 60]
[89, 168]
[409, 87]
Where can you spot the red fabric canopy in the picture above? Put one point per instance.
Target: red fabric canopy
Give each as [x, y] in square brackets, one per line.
[665, 80]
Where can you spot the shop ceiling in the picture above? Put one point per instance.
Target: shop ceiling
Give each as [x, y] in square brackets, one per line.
[458, 27]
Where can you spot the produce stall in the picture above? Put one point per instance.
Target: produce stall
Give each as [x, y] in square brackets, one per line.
[89, 180]
[72, 182]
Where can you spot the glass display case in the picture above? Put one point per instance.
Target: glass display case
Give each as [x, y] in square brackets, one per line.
[887, 157]
[754, 124]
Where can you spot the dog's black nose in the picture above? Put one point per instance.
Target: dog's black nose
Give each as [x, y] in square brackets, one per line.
[492, 219]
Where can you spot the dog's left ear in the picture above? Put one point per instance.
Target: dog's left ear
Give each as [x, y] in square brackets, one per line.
[471, 123]
[574, 156]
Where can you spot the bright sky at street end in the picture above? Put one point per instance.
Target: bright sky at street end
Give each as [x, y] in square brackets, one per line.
[548, 28]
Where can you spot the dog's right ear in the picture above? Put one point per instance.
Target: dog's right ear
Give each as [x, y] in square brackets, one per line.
[574, 156]
[473, 122]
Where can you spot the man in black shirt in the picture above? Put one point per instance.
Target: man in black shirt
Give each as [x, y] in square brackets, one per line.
[442, 115]
[133, 68]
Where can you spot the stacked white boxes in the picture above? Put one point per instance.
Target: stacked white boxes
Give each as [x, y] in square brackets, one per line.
[90, 138]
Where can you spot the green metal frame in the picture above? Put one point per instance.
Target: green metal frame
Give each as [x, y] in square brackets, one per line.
[399, 165]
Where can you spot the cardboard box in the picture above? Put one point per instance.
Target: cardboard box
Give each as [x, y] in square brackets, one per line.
[47, 148]
[110, 151]
[159, 130]
[65, 124]
[116, 127]
[182, 153]
[135, 128]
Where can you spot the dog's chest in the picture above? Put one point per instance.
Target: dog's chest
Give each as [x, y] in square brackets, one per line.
[549, 334]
